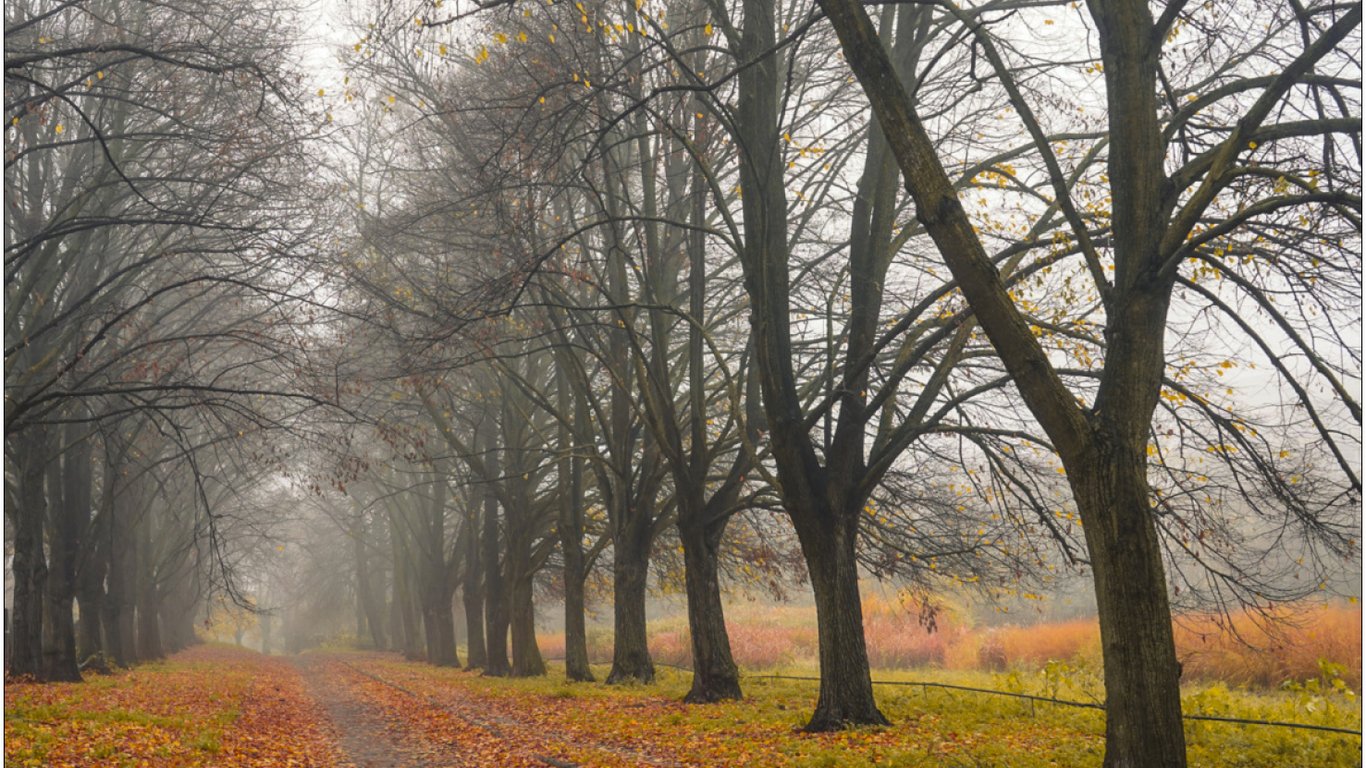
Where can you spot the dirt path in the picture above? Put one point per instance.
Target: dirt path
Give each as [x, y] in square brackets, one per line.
[363, 732]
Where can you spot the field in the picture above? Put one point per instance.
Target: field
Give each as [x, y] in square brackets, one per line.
[1252, 654]
[216, 705]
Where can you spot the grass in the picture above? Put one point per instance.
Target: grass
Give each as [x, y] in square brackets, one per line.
[931, 727]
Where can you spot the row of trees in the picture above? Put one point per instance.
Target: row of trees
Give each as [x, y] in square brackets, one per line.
[155, 313]
[650, 180]
[608, 290]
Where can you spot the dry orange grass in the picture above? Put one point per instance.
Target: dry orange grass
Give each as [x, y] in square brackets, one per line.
[1249, 652]
[1247, 649]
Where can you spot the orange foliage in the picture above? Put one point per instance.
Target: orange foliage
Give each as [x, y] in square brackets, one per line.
[1290, 649]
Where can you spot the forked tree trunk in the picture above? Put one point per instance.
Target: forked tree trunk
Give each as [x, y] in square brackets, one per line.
[714, 674]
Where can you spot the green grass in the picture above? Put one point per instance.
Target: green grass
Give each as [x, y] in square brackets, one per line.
[937, 727]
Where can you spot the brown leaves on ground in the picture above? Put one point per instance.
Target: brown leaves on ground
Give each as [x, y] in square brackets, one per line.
[208, 706]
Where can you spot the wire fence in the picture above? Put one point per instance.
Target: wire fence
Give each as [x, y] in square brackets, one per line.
[925, 685]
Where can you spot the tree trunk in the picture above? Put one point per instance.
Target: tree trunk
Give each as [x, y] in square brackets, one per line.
[119, 602]
[630, 569]
[438, 621]
[472, 596]
[370, 609]
[178, 609]
[1143, 725]
[68, 517]
[846, 692]
[149, 625]
[408, 613]
[90, 575]
[29, 565]
[495, 603]
[266, 634]
[714, 674]
[526, 655]
[570, 528]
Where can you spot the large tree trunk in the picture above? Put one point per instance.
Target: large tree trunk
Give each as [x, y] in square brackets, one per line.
[526, 655]
[405, 603]
[438, 620]
[570, 528]
[846, 689]
[68, 513]
[472, 589]
[149, 625]
[29, 564]
[496, 617]
[1142, 676]
[120, 601]
[630, 571]
[370, 607]
[179, 607]
[714, 676]
[90, 574]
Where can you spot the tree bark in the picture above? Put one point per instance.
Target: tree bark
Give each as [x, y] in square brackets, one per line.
[570, 528]
[846, 690]
[1103, 449]
[472, 590]
[90, 575]
[495, 603]
[714, 674]
[120, 600]
[438, 621]
[369, 602]
[630, 570]
[30, 563]
[526, 655]
[69, 483]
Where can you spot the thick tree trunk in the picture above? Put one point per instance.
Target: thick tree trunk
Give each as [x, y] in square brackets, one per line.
[121, 494]
[409, 615]
[472, 589]
[148, 594]
[1143, 725]
[438, 621]
[526, 655]
[90, 575]
[68, 516]
[29, 564]
[119, 602]
[570, 528]
[396, 639]
[89, 634]
[715, 676]
[149, 625]
[178, 610]
[496, 617]
[846, 689]
[370, 608]
[630, 570]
